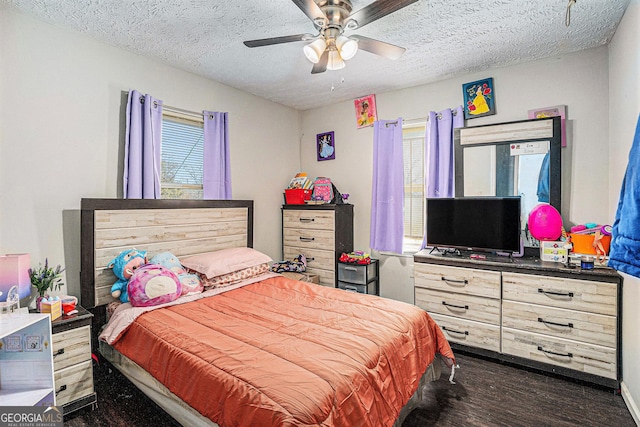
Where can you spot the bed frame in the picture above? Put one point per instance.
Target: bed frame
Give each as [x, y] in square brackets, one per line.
[184, 227]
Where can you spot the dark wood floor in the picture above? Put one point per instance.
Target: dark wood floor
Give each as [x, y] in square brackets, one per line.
[486, 393]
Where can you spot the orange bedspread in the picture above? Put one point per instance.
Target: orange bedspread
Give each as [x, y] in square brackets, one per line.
[286, 353]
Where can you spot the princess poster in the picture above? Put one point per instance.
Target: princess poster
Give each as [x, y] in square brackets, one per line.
[479, 98]
[325, 146]
[366, 112]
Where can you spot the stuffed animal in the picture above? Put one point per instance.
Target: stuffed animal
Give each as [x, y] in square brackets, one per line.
[191, 284]
[153, 284]
[123, 267]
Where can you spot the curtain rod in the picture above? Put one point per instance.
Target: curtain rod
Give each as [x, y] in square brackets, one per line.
[421, 119]
[182, 111]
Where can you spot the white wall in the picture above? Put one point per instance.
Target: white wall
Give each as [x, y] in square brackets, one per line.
[61, 124]
[579, 81]
[624, 99]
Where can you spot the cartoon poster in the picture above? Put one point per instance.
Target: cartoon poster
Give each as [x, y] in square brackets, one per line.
[366, 112]
[325, 146]
[479, 98]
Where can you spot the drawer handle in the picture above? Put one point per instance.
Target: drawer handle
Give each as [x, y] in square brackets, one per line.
[307, 239]
[307, 219]
[310, 259]
[462, 307]
[554, 353]
[62, 388]
[546, 322]
[351, 289]
[351, 268]
[453, 331]
[464, 282]
[560, 294]
[59, 352]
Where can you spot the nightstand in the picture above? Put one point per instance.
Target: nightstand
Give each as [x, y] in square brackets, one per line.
[72, 362]
[361, 278]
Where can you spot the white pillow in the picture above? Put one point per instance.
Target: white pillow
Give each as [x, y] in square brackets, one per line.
[224, 261]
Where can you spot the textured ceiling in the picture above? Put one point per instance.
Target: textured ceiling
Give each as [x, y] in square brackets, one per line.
[443, 38]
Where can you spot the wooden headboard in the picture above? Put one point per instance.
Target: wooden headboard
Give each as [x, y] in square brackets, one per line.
[183, 227]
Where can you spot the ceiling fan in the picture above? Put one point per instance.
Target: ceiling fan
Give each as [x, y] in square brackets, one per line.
[330, 47]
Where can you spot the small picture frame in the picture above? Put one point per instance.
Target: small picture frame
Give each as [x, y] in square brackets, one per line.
[479, 98]
[555, 111]
[326, 146]
[366, 112]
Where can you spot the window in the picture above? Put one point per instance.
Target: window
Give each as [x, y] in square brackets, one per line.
[182, 156]
[414, 197]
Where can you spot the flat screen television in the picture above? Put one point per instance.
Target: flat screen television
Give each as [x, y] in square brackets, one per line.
[489, 224]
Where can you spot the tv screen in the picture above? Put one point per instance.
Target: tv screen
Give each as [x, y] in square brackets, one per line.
[474, 223]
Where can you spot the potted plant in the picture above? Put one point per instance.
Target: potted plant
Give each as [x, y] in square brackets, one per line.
[44, 278]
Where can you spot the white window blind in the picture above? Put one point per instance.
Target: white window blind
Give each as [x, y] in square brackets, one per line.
[182, 157]
[414, 195]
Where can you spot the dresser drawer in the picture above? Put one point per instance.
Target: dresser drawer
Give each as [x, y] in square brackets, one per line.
[588, 358]
[468, 332]
[369, 288]
[464, 306]
[307, 219]
[357, 273]
[304, 238]
[316, 258]
[583, 295]
[326, 277]
[73, 382]
[71, 347]
[577, 325]
[461, 280]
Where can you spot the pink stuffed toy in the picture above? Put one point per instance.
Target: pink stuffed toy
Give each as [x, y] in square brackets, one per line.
[153, 284]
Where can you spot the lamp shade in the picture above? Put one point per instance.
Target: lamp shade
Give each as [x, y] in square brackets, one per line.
[313, 51]
[14, 271]
[335, 62]
[347, 47]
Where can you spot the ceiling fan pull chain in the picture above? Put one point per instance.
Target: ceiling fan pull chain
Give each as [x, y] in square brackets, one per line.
[567, 17]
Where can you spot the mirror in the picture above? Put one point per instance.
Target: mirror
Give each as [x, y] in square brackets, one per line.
[511, 159]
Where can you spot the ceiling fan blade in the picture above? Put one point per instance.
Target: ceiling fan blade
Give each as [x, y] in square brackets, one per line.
[321, 66]
[377, 10]
[310, 8]
[387, 50]
[278, 40]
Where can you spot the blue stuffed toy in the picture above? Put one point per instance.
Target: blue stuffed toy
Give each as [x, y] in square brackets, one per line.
[191, 283]
[123, 267]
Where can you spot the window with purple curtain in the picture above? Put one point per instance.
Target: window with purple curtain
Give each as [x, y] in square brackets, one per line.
[141, 179]
[439, 153]
[216, 179]
[387, 199]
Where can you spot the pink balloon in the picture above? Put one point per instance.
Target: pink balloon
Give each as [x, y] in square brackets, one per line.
[545, 222]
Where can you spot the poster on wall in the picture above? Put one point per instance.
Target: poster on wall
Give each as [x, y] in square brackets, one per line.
[555, 111]
[479, 98]
[366, 112]
[325, 146]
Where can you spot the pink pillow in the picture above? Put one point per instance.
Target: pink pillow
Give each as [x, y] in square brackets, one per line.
[224, 261]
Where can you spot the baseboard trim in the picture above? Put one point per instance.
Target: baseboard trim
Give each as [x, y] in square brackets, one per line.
[631, 404]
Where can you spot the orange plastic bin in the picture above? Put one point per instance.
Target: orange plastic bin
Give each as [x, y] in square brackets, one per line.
[583, 243]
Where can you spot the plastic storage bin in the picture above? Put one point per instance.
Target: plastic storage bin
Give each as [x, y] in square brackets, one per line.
[297, 196]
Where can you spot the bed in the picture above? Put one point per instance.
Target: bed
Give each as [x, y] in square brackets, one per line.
[262, 349]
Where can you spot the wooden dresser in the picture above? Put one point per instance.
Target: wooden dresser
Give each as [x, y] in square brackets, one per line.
[537, 314]
[321, 233]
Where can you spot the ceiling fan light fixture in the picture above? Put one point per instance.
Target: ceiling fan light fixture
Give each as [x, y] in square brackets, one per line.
[314, 50]
[347, 47]
[335, 61]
